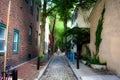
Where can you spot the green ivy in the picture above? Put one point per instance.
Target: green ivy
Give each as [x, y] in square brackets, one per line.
[99, 31]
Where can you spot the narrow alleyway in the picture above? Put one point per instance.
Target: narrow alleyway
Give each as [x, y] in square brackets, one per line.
[58, 69]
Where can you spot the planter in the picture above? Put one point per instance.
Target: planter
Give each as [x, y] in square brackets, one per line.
[99, 67]
[83, 61]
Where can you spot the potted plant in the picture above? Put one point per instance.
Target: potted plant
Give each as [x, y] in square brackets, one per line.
[85, 58]
[96, 64]
[42, 56]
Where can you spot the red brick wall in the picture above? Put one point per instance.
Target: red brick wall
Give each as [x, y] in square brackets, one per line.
[20, 19]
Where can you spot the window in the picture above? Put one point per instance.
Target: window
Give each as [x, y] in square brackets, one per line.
[2, 38]
[75, 15]
[15, 41]
[36, 37]
[31, 3]
[30, 35]
[26, 1]
[37, 16]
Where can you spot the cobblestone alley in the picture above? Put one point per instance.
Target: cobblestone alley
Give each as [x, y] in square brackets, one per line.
[58, 69]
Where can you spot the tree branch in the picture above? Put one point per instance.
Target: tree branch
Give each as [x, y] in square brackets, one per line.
[52, 9]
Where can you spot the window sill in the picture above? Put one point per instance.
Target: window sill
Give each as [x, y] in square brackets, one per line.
[15, 52]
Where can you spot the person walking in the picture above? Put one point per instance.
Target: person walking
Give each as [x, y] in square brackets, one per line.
[76, 55]
[58, 51]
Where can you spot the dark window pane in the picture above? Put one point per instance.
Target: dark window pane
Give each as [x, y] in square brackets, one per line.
[30, 35]
[37, 16]
[1, 45]
[2, 33]
[36, 37]
[31, 3]
[26, 1]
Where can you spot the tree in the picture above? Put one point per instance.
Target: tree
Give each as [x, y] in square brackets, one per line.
[86, 4]
[46, 8]
[52, 26]
[64, 11]
[80, 36]
[58, 30]
[66, 8]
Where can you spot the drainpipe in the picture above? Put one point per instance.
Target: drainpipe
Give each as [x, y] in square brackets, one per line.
[6, 38]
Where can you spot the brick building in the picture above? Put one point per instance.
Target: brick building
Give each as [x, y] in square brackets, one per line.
[24, 31]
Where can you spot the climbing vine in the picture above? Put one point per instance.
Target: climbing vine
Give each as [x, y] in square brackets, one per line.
[99, 31]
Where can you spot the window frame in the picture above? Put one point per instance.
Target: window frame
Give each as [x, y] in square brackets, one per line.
[30, 33]
[18, 40]
[31, 3]
[3, 26]
[37, 15]
[36, 38]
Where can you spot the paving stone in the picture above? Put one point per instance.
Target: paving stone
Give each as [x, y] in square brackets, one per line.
[58, 69]
[87, 73]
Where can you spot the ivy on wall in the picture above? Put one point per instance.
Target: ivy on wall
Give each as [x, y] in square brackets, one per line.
[99, 31]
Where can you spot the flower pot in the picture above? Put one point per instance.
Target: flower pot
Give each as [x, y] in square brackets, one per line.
[83, 61]
[99, 67]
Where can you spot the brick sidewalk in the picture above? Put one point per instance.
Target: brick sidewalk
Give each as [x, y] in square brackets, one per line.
[29, 71]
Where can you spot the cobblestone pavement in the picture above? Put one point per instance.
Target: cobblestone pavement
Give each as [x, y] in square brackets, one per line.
[58, 69]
